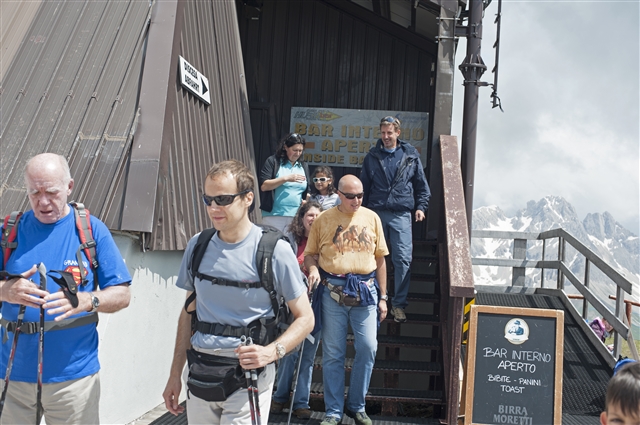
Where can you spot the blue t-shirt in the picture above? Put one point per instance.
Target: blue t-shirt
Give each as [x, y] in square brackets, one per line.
[71, 353]
[287, 196]
[232, 305]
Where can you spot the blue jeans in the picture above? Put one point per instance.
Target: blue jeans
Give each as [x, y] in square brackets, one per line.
[335, 321]
[397, 233]
[286, 370]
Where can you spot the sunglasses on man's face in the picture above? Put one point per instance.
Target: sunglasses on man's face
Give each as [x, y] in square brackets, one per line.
[221, 200]
[352, 195]
[321, 179]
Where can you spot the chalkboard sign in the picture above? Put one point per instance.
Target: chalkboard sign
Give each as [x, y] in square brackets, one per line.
[514, 366]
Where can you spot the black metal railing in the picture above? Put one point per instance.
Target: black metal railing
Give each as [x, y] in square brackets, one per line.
[519, 263]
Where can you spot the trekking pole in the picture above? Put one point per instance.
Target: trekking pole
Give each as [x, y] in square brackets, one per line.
[296, 373]
[42, 271]
[12, 354]
[254, 384]
[247, 375]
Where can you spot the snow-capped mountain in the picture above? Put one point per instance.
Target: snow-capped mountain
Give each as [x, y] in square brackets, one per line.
[600, 232]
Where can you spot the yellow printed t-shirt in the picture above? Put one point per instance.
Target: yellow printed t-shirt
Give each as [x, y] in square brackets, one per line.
[347, 243]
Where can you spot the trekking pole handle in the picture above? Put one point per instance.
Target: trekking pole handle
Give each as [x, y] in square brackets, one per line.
[42, 271]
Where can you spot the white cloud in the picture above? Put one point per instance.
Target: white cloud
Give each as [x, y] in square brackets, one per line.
[569, 83]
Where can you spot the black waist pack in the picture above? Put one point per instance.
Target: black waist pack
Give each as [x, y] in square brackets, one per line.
[213, 378]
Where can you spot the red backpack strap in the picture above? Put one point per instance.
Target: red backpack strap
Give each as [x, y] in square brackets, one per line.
[9, 235]
[87, 243]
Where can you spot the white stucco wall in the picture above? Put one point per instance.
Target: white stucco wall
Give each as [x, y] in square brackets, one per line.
[136, 344]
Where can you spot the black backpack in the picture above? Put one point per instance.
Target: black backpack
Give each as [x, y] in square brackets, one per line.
[263, 331]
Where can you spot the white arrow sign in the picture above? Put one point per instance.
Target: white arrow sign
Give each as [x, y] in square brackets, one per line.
[194, 81]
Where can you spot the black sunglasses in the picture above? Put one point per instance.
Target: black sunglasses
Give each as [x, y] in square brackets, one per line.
[321, 179]
[390, 120]
[352, 195]
[221, 200]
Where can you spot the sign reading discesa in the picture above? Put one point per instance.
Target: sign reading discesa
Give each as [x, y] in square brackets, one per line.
[342, 137]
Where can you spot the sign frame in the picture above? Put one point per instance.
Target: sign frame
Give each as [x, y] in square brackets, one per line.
[517, 312]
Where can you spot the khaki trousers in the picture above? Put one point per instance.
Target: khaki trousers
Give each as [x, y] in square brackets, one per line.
[235, 409]
[69, 402]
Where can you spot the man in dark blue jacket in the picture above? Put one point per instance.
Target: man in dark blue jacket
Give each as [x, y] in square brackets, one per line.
[395, 185]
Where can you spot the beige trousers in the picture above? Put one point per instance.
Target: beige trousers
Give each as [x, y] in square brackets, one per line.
[235, 410]
[69, 402]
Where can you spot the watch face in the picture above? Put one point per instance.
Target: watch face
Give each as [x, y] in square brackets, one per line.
[95, 302]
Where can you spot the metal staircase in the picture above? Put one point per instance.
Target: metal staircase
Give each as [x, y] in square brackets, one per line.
[407, 382]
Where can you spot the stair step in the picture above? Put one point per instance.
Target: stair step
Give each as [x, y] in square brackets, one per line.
[399, 366]
[388, 394]
[316, 417]
[431, 244]
[418, 296]
[424, 257]
[423, 277]
[421, 319]
[402, 341]
[431, 368]
[408, 341]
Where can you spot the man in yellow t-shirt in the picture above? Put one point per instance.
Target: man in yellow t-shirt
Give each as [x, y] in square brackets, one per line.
[345, 252]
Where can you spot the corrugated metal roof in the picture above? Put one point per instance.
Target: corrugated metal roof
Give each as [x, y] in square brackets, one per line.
[71, 88]
[75, 86]
[172, 156]
[15, 19]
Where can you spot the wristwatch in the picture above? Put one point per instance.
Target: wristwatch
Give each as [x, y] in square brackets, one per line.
[384, 297]
[95, 302]
[280, 350]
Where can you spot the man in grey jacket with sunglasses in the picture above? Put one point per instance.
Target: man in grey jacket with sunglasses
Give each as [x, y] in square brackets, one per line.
[395, 186]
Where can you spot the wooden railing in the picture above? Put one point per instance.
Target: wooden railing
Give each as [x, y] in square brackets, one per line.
[519, 264]
[456, 273]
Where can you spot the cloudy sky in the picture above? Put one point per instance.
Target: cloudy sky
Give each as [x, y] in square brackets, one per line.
[569, 84]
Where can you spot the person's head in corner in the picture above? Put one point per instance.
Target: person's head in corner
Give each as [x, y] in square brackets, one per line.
[623, 397]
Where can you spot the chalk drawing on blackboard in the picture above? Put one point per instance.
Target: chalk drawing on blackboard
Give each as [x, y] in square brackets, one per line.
[516, 331]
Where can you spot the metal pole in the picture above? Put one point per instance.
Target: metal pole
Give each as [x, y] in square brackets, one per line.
[42, 271]
[585, 305]
[472, 69]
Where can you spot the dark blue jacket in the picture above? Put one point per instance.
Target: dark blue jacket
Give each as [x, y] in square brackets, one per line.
[408, 191]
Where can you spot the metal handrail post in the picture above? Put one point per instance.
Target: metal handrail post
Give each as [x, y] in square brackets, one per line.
[585, 305]
[544, 247]
[620, 311]
[561, 252]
